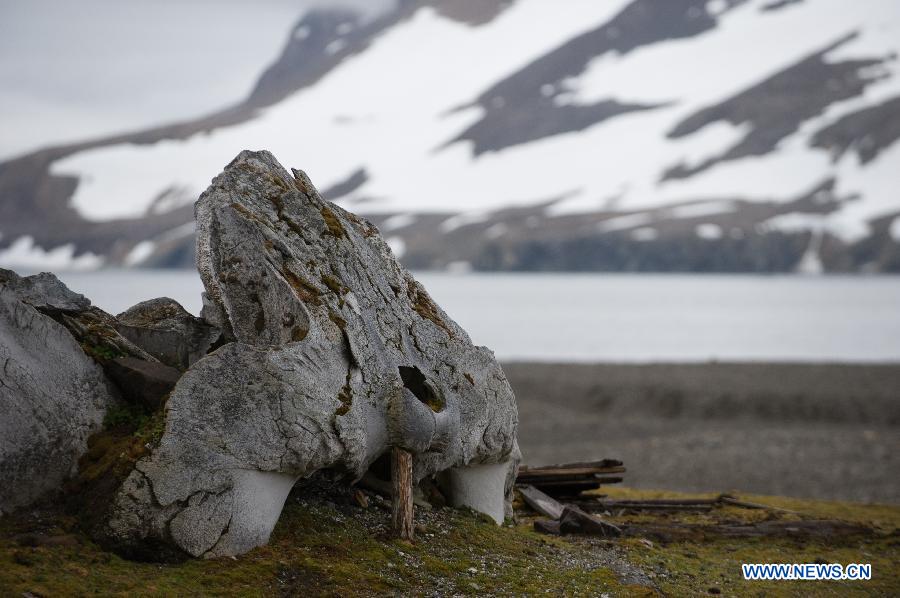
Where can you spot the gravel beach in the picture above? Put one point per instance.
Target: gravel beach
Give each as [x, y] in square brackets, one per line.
[827, 431]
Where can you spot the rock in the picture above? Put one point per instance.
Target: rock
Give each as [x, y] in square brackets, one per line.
[165, 330]
[52, 395]
[43, 291]
[360, 498]
[96, 331]
[338, 355]
[142, 382]
[139, 375]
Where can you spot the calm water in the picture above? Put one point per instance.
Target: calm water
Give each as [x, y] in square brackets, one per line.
[562, 317]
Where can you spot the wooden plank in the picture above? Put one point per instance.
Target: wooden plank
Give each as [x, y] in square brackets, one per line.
[590, 482]
[562, 480]
[576, 465]
[824, 529]
[603, 505]
[546, 526]
[728, 500]
[402, 480]
[576, 521]
[540, 502]
[568, 472]
[570, 490]
[669, 501]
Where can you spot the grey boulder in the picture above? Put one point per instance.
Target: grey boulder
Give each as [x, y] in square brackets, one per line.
[337, 355]
[145, 383]
[165, 330]
[43, 291]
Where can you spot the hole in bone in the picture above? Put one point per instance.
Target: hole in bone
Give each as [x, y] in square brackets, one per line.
[415, 381]
[381, 467]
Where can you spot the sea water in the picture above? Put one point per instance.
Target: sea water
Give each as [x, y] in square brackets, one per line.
[622, 317]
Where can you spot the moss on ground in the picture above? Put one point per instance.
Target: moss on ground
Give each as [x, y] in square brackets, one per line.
[318, 548]
[325, 544]
[711, 566]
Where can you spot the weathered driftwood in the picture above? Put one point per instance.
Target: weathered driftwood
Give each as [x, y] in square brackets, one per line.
[575, 521]
[541, 473]
[540, 502]
[601, 463]
[674, 504]
[730, 500]
[571, 479]
[612, 505]
[811, 528]
[402, 480]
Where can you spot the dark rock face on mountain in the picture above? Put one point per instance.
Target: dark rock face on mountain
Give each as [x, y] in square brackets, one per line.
[776, 107]
[867, 132]
[52, 395]
[336, 355]
[44, 292]
[518, 109]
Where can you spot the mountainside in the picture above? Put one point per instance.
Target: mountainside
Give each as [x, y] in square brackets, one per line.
[686, 135]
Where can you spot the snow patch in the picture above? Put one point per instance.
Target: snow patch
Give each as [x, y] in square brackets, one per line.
[700, 209]
[459, 267]
[179, 232]
[398, 221]
[461, 220]
[895, 229]
[811, 261]
[335, 46]
[625, 222]
[708, 231]
[797, 222]
[397, 245]
[24, 254]
[646, 233]
[496, 231]
[139, 253]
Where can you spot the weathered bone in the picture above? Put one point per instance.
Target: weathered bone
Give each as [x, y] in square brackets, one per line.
[52, 395]
[338, 354]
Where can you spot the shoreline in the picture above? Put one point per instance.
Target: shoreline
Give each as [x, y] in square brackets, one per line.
[811, 430]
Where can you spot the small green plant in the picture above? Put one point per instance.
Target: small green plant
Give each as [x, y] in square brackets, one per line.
[127, 416]
[102, 352]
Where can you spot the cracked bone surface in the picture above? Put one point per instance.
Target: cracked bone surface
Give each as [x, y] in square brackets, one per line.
[337, 354]
[52, 395]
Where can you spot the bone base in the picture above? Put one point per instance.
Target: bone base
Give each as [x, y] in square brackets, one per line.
[479, 487]
[258, 499]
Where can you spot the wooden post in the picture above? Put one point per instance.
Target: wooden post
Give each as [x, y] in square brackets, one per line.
[401, 477]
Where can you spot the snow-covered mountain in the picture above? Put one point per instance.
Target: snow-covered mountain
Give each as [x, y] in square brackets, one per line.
[685, 135]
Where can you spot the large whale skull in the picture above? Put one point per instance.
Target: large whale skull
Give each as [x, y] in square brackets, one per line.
[337, 355]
